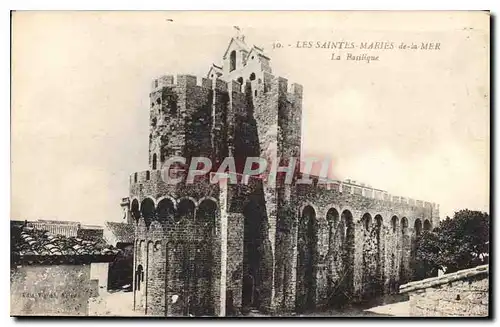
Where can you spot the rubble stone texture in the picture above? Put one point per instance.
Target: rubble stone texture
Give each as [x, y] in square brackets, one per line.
[460, 294]
[215, 249]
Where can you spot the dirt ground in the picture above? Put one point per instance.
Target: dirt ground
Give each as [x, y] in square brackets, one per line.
[121, 304]
[113, 304]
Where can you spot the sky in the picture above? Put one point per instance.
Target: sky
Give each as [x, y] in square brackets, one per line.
[414, 123]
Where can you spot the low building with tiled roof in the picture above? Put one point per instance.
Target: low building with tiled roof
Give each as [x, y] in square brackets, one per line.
[56, 274]
[34, 242]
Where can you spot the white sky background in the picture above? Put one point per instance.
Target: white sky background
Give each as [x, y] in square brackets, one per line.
[415, 123]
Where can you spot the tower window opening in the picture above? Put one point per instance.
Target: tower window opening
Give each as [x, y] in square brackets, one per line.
[158, 100]
[240, 80]
[255, 92]
[173, 107]
[135, 178]
[232, 61]
[252, 76]
[148, 175]
[154, 161]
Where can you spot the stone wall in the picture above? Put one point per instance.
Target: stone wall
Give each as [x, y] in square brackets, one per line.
[52, 290]
[464, 293]
[354, 244]
[380, 252]
[189, 249]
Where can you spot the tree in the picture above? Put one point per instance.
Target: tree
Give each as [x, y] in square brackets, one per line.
[456, 244]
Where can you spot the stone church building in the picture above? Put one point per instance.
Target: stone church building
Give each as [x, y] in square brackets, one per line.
[216, 249]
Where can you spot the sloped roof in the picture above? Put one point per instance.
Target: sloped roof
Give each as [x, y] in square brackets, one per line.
[216, 69]
[30, 241]
[259, 51]
[241, 44]
[123, 232]
[445, 279]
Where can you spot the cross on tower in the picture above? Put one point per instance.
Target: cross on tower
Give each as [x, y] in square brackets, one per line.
[239, 35]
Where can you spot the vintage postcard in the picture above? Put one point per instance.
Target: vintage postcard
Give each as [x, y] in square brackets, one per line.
[250, 164]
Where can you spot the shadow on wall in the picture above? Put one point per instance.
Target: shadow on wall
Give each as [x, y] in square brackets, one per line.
[120, 274]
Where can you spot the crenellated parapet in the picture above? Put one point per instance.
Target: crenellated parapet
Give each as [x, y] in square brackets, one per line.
[373, 193]
[367, 200]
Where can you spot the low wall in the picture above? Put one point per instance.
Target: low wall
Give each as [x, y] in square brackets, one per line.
[54, 290]
[460, 294]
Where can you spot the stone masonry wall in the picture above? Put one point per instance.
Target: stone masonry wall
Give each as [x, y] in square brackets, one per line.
[343, 256]
[377, 260]
[51, 290]
[461, 294]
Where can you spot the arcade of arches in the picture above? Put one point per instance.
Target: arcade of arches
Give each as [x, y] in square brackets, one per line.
[174, 257]
[328, 260]
[343, 259]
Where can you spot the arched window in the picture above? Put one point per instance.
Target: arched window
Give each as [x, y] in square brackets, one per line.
[154, 161]
[240, 80]
[252, 76]
[147, 175]
[232, 61]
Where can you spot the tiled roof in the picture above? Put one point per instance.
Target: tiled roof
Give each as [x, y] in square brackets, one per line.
[447, 278]
[123, 232]
[30, 241]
